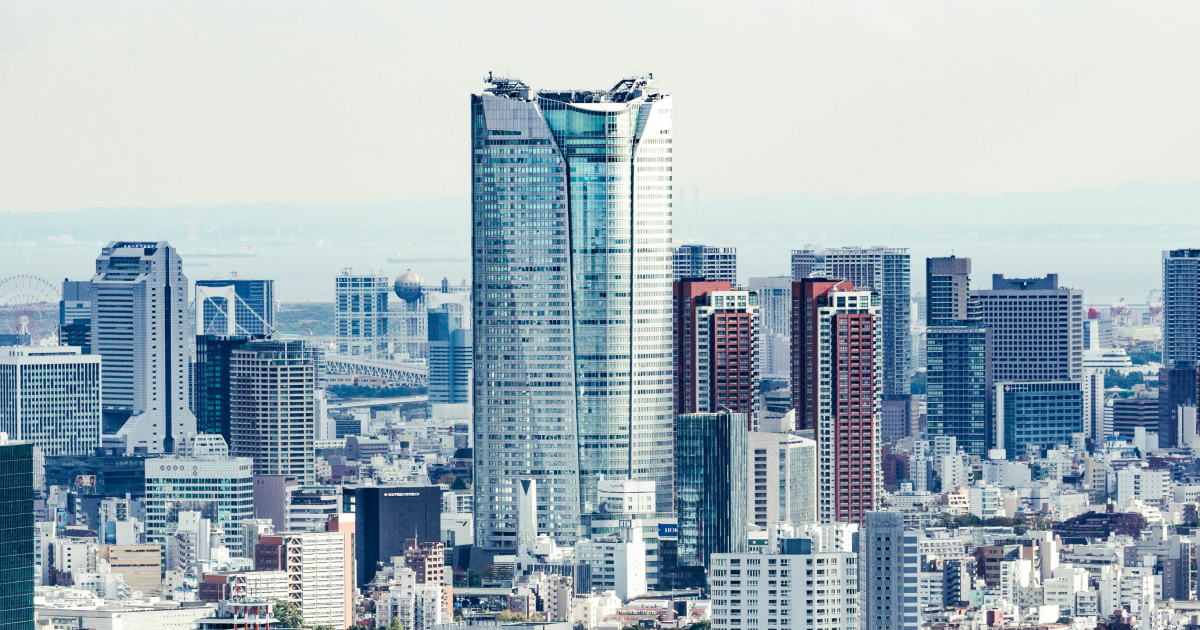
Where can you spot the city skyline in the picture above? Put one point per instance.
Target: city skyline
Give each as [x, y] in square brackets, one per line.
[662, 369]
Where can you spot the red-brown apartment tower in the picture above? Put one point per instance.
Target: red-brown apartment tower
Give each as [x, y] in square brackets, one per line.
[716, 347]
[836, 389]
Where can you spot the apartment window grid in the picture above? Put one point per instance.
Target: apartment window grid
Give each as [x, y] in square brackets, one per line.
[813, 591]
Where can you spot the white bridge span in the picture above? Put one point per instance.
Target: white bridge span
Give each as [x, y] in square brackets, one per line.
[407, 374]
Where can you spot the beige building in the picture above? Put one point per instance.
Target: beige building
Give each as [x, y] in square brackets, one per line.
[140, 565]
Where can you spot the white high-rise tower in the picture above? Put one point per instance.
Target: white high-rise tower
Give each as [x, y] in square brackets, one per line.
[572, 248]
[140, 330]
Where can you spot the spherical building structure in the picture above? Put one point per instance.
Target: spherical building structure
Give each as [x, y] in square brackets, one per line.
[408, 286]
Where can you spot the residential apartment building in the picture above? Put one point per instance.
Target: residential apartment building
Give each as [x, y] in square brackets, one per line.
[798, 585]
[958, 357]
[775, 336]
[837, 391]
[716, 354]
[273, 408]
[885, 272]
[705, 262]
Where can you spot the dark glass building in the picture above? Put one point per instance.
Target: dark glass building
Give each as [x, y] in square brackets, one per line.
[712, 481]
[385, 516]
[958, 376]
[16, 535]
[213, 385]
[99, 475]
[958, 379]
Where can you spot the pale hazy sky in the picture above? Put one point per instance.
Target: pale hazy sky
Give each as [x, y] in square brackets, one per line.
[165, 103]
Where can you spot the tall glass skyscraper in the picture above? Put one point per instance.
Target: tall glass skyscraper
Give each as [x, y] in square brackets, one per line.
[571, 212]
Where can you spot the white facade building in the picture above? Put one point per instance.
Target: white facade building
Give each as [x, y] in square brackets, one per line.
[220, 488]
[799, 588]
[618, 564]
[626, 496]
[1150, 485]
[140, 330]
[50, 397]
[785, 489]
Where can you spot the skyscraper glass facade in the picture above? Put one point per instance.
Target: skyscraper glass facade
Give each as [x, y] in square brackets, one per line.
[714, 475]
[572, 271]
[16, 536]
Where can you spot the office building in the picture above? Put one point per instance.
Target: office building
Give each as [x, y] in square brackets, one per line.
[360, 315]
[140, 330]
[218, 487]
[1036, 328]
[574, 336]
[616, 561]
[705, 262]
[957, 357]
[1130, 413]
[1177, 387]
[50, 397]
[213, 384]
[1095, 425]
[75, 315]
[958, 382]
[884, 271]
[775, 310]
[1181, 307]
[713, 474]
[315, 563]
[450, 360]
[273, 409]
[784, 481]
[947, 289]
[839, 402]
[250, 302]
[386, 517]
[716, 354]
[16, 534]
[899, 417]
[139, 565]
[888, 557]
[1035, 416]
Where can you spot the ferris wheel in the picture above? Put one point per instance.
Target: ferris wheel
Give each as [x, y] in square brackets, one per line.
[28, 306]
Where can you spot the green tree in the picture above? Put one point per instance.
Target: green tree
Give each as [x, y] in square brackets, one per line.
[474, 579]
[395, 624]
[509, 615]
[458, 484]
[288, 614]
[324, 628]
[447, 479]
[701, 625]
